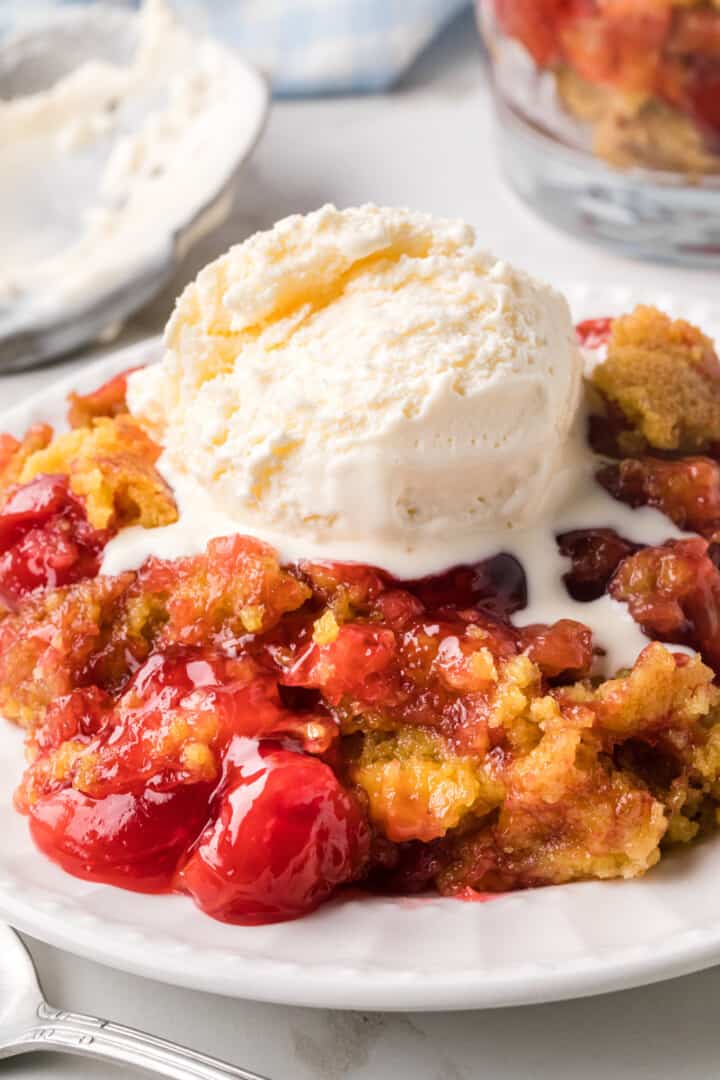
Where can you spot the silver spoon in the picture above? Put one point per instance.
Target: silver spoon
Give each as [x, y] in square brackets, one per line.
[28, 1023]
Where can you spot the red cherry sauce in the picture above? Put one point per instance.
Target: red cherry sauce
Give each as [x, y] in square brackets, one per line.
[132, 840]
[269, 841]
[45, 539]
[593, 333]
[284, 835]
[497, 586]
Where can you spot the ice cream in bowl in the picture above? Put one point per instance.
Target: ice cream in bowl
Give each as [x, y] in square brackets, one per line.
[384, 574]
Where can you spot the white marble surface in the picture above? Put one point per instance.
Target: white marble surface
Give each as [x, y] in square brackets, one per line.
[427, 145]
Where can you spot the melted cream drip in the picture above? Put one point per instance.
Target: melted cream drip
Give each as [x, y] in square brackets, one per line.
[576, 502]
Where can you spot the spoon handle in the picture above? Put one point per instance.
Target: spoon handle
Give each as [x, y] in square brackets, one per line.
[89, 1036]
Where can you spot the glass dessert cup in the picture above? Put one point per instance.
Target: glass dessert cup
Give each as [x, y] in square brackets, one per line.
[609, 119]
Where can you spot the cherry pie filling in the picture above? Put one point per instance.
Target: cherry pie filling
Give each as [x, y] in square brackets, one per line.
[258, 735]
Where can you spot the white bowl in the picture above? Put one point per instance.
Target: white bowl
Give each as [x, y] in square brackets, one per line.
[44, 201]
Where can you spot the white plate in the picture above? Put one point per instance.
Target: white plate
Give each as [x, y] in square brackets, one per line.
[375, 953]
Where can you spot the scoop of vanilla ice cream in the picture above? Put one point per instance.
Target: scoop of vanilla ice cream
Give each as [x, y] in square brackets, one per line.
[366, 375]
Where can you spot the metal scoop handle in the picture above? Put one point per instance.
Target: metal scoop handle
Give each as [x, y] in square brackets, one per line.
[89, 1036]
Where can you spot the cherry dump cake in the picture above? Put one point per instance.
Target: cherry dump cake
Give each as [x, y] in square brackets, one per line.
[257, 730]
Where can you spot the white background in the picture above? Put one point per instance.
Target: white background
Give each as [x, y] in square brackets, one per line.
[429, 146]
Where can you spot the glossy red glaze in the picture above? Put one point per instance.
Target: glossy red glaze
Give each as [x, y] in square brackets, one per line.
[177, 698]
[359, 661]
[285, 834]
[145, 808]
[131, 840]
[79, 715]
[45, 539]
[497, 585]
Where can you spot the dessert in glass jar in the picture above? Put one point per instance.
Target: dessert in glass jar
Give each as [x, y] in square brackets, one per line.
[611, 117]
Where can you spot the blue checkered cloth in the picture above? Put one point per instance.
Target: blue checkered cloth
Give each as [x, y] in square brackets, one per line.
[307, 46]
